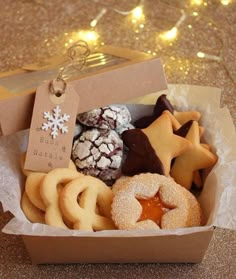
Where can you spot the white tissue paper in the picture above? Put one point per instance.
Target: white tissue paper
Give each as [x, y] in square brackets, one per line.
[217, 197]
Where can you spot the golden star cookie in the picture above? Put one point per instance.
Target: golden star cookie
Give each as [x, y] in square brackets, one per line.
[194, 159]
[165, 143]
[163, 104]
[185, 116]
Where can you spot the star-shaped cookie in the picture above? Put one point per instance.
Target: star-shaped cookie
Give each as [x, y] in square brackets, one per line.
[163, 104]
[161, 144]
[141, 156]
[199, 157]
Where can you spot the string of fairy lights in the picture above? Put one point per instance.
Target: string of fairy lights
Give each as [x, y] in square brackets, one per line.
[136, 16]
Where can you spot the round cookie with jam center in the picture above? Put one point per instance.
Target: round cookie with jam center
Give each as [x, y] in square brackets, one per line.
[153, 201]
[99, 153]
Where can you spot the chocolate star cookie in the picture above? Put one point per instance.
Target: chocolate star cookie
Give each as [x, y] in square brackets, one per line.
[161, 105]
[152, 149]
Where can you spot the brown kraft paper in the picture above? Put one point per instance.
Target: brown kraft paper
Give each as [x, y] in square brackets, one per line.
[50, 148]
[108, 86]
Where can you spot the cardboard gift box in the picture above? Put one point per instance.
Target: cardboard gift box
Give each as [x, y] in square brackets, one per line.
[112, 75]
[47, 244]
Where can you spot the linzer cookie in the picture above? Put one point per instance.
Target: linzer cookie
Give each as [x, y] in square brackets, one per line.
[153, 201]
[99, 153]
[152, 149]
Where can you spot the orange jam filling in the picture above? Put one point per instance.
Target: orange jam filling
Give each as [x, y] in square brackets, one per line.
[153, 209]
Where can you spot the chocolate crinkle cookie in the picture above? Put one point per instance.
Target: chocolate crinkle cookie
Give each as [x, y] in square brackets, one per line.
[121, 129]
[78, 130]
[99, 152]
[109, 117]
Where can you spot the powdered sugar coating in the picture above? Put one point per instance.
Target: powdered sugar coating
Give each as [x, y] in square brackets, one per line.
[78, 130]
[121, 129]
[109, 117]
[98, 153]
[126, 209]
[196, 216]
[119, 183]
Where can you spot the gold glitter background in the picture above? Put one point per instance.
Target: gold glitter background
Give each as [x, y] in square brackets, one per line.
[196, 40]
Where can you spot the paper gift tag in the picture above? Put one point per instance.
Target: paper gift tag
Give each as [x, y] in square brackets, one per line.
[52, 129]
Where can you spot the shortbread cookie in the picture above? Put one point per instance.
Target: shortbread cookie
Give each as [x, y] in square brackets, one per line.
[194, 159]
[175, 123]
[32, 213]
[161, 105]
[32, 189]
[152, 149]
[98, 153]
[153, 201]
[110, 117]
[185, 116]
[182, 131]
[50, 195]
[79, 200]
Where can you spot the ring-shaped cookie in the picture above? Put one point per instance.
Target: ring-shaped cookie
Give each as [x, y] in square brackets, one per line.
[32, 188]
[32, 213]
[50, 196]
[93, 194]
[126, 208]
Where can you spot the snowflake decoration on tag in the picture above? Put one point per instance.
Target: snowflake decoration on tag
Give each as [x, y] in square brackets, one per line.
[55, 122]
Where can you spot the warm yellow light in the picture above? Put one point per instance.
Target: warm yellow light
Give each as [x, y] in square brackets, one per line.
[196, 2]
[137, 13]
[93, 23]
[169, 35]
[88, 36]
[209, 56]
[201, 54]
[225, 2]
[195, 13]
